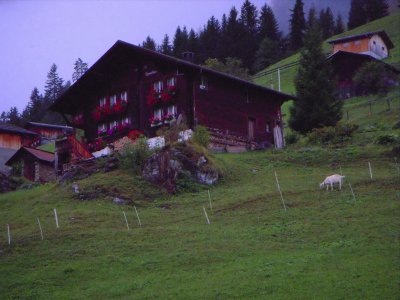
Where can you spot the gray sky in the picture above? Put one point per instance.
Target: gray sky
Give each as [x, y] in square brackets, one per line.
[34, 34]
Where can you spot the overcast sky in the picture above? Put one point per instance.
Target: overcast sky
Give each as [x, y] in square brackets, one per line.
[35, 34]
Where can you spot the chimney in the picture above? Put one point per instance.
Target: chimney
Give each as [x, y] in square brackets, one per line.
[188, 56]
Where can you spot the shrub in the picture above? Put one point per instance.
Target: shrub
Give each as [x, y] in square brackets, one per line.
[201, 136]
[386, 139]
[372, 78]
[171, 132]
[134, 155]
[292, 138]
[332, 135]
[16, 169]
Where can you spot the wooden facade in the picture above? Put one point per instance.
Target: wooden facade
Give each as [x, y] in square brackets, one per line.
[37, 165]
[375, 44]
[49, 131]
[127, 76]
[13, 137]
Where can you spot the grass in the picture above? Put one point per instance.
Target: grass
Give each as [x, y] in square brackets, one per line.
[390, 24]
[49, 147]
[326, 245]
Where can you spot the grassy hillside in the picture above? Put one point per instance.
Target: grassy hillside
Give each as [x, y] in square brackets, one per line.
[326, 245]
[390, 24]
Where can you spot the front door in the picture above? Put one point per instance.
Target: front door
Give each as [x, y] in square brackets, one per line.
[251, 127]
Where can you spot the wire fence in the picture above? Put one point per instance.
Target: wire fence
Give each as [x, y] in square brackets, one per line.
[67, 223]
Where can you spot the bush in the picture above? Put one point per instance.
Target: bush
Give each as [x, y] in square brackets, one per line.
[332, 135]
[134, 155]
[386, 139]
[201, 136]
[292, 138]
[372, 78]
[171, 132]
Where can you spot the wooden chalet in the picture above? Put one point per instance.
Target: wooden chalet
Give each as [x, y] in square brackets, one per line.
[375, 44]
[350, 53]
[49, 131]
[14, 137]
[130, 87]
[37, 165]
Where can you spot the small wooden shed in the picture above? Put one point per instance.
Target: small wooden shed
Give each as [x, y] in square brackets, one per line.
[37, 165]
[14, 137]
[49, 131]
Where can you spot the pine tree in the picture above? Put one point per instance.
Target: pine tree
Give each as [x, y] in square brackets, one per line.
[268, 53]
[192, 44]
[312, 18]
[177, 48]
[327, 23]
[248, 19]
[364, 11]
[3, 118]
[166, 47]
[210, 40]
[376, 9]
[80, 68]
[316, 105]
[35, 105]
[357, 14]
[54, 85]
[233, 35]
[14, 117]
[149, 43]
[339, 26]
[185, 40]
[268, 24]
[297, 25]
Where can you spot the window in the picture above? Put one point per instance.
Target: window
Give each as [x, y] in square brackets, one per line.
[113, 100]
[158, 86]
[125, 121]
[103, 101]
[374, 42]
[102, 128]
[157, 114]
[113, 124]
[172, 110]
[171, 81]
[204, 83]
[267, 128]
[124, 96]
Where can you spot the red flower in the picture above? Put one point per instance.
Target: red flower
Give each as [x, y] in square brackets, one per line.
[135, 134]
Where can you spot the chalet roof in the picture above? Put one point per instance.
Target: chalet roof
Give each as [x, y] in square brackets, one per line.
[9, 128]
[122, 54]
[50, 126]
[364, 56]
[44, 156]
[381, 33]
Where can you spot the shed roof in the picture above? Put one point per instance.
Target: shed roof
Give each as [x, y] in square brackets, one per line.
[9, 128]
[123, 53]
[381, 33]
[51, 126]
[44, 156]
[333, 57]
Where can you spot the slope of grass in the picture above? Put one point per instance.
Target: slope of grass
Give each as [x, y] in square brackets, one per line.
[327, 245]
[390, 24]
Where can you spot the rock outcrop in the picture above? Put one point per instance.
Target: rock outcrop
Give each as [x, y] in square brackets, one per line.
[164, 167]
[7, 184]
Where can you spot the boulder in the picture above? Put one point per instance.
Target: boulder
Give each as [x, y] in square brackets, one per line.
[7, 184]
[164, 167]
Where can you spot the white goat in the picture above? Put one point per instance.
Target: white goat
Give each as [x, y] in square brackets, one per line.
[330, 180]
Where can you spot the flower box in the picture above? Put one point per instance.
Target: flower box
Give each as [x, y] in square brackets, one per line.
[154, 121]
